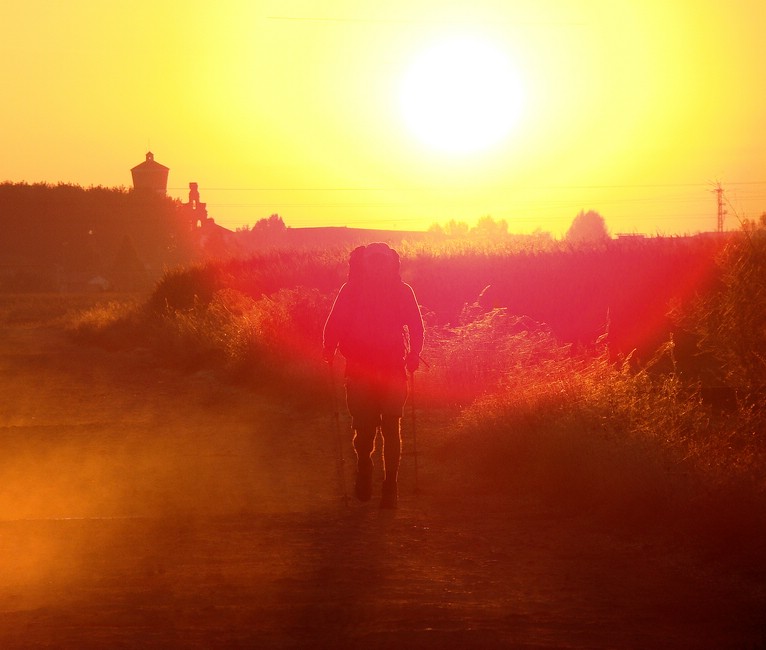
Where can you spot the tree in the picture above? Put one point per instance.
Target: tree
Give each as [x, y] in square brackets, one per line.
[274, 225]
[587, 228]
[128, 272]
[488, 228]
[751, 225]
[456, 229]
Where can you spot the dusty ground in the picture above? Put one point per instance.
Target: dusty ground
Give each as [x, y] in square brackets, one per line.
[140, 508]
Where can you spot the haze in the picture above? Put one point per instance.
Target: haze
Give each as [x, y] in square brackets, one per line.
[632, 109]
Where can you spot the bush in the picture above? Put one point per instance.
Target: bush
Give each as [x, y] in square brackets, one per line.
[282, 331]
[247, 339]
[729, 326]
[485, 348]
[585, 434]
[185, 288]
[114, 324]
[730, 322]
[574, 425]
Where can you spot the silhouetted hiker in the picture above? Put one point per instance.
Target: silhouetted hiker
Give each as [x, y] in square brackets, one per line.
[376, 324]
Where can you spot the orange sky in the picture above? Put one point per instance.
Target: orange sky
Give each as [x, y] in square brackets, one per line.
[634, 109]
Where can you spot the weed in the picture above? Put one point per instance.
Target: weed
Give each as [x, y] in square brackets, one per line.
[564, 416]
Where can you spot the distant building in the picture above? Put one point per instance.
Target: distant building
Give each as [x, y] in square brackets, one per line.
[150, 175]
[195, 210]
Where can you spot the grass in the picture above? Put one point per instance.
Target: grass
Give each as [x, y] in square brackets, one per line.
[115, 322]
[60, 308]
[583, 429]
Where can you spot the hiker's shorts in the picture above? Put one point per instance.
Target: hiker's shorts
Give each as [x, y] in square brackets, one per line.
[372, 396]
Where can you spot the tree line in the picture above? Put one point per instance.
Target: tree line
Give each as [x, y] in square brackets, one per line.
[50, 231]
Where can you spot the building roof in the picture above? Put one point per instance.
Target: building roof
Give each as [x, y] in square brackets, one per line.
[150, 163]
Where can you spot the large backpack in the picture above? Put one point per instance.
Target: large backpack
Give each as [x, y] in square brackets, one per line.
[361, 257]
[376, 308]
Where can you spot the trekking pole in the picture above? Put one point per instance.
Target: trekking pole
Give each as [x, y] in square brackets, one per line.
[338, 437]
[414, 430]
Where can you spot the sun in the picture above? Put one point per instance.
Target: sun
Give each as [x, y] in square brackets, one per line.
[461, 95]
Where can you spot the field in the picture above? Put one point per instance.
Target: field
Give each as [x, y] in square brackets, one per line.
[172, 477]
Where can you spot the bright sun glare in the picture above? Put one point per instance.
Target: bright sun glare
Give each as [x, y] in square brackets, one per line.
[461, 96]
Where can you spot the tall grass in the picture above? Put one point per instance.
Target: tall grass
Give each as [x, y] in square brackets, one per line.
[35, 309]
[584, 430]
[270, 338]
[729, 326]
[484, 349]
[729, 322]
[580, 426]
[634, 442]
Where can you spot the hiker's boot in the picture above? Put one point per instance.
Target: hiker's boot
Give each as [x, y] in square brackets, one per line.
[363, 484]
[390, 495]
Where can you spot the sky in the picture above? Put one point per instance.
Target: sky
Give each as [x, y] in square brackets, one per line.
[399, 114]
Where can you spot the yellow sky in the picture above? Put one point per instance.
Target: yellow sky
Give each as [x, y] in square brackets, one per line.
[634, 109]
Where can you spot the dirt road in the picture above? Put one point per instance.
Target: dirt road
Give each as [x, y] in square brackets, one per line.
[142, 508]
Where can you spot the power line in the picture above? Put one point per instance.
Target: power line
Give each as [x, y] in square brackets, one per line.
[421, 21]
[440, 188]
[675, 197]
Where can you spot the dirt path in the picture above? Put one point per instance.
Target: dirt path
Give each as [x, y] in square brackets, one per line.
[140, 508]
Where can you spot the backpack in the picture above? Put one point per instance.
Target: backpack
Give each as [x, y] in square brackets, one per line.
[361, 258]
[376, 294]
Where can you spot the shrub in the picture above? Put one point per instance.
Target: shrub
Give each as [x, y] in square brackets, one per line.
[571, 424]
[282, 331]
[185, 288]
[729, 325]
[586, 433]
[114, 324]
[485, 348]
[277, 335]
[731, 321]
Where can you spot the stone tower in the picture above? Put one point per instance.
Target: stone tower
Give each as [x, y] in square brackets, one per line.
[150, 175]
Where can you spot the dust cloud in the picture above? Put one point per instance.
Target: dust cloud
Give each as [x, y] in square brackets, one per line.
[99, 450]
[140, 507]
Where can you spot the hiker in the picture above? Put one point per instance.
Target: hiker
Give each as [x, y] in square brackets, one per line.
[376, 324]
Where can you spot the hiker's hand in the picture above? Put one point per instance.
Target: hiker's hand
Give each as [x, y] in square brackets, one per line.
[328, 355]
[412, 363]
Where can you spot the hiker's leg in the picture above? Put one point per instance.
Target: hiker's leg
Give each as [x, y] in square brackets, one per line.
[392, 446]
[391, 430]
[392, 405]
[364, 421]
[364, 446]
[392, 454]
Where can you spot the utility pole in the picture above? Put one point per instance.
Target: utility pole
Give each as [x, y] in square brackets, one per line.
[721, 209]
